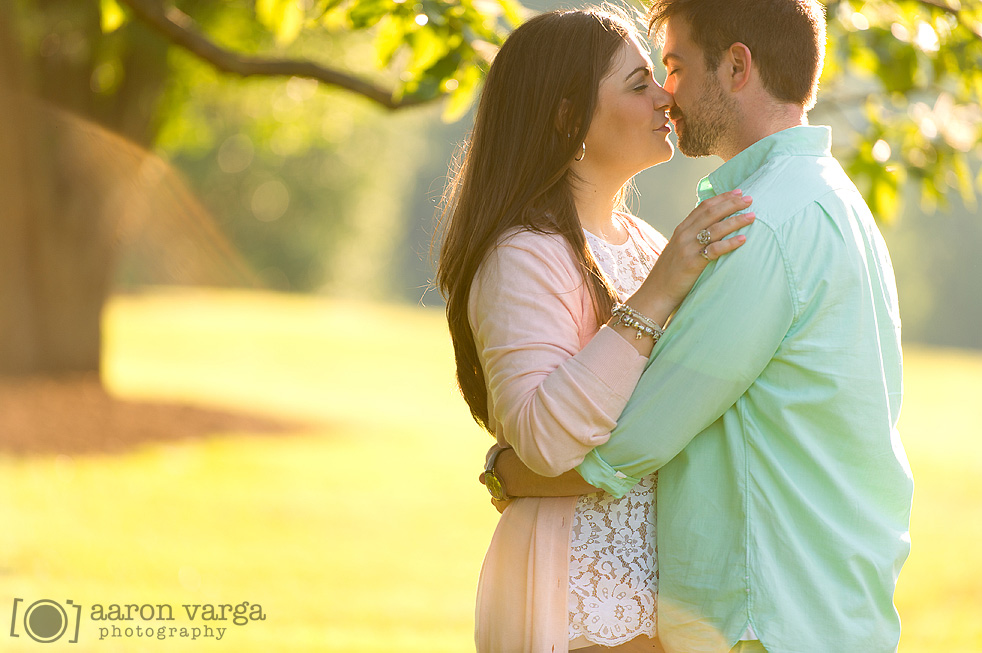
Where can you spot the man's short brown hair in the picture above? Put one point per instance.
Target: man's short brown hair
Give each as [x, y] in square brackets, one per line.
[786, 38]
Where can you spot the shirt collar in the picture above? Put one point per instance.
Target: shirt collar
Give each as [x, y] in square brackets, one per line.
[800, 140]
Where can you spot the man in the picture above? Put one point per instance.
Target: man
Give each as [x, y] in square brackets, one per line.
[770, 404]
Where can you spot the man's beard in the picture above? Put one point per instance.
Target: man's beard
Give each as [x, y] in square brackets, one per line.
[705, 126]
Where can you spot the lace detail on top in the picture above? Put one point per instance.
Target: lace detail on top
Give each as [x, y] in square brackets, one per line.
[623, 264]
[613, 567]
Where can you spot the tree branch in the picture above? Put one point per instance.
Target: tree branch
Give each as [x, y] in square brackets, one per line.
[178, 28]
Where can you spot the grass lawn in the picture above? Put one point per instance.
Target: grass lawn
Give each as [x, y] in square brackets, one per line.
[363, 530]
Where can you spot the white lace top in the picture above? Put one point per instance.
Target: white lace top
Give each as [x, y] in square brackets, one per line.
[613, 567]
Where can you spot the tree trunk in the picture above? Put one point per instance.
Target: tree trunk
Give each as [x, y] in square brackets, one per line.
[60, 178]
[18, 312]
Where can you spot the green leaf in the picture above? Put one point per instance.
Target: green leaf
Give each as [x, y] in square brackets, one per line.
[428, 47]
[326, 6]
[111, 16]
[284, 18]
[463, 95]
[366, 13]
[391, 36]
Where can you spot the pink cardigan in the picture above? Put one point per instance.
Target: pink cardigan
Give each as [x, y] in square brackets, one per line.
[557, 383]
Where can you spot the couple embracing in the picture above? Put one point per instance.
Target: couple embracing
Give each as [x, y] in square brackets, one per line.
[696, 438]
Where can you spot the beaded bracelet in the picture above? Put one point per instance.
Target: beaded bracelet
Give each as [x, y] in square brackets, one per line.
[630, 318]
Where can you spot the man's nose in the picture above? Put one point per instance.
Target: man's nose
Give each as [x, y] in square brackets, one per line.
[663, 99]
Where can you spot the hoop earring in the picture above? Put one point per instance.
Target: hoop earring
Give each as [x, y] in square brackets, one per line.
[582, 153]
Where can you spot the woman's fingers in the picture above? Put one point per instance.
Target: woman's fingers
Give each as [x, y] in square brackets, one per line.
[719, 244]
[711, 211]
[705, 235]
[716, 244]
[724, 228]
[723, 247]
[707, 227]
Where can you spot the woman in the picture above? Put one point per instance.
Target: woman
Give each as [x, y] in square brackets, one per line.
[537, 254]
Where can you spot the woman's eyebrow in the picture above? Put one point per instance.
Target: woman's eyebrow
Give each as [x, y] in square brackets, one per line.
[644, 69]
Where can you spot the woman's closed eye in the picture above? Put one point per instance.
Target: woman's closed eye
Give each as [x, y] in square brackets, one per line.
[644, 80]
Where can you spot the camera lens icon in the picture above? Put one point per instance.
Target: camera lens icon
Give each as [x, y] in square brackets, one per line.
[46, 621]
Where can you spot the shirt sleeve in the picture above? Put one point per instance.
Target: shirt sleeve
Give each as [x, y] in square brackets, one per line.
[552, 400]
[723, 335]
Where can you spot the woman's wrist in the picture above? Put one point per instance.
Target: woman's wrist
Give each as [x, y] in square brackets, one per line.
[644, 326]
[644, 308]
[654, 304]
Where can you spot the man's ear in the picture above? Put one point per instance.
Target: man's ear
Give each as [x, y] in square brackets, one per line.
[736, 67]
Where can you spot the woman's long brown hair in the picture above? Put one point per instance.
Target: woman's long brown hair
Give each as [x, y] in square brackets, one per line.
[535, 111]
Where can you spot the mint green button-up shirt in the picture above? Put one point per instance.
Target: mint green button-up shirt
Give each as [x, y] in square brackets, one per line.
[770, 408]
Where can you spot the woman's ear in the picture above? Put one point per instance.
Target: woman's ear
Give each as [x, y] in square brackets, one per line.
[563, 120]
[737, 62]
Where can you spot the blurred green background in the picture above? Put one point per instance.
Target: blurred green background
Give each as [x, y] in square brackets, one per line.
[259, 246]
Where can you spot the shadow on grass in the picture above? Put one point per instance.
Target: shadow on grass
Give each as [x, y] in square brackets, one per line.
[74, 414]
